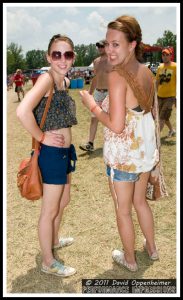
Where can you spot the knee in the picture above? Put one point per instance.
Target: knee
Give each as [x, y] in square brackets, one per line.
[139, 203]
[64, 202]
[49, 214]
[123, 214]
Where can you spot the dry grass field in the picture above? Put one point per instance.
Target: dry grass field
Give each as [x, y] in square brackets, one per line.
[89, 218]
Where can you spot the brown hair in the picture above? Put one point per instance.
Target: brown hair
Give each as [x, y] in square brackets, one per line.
[59, 37]
[131, 28]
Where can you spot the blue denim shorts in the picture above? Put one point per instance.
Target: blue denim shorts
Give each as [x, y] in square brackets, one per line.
[121, 175]
[56, 163]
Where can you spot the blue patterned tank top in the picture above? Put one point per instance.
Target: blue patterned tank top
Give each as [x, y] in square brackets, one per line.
[61, 113]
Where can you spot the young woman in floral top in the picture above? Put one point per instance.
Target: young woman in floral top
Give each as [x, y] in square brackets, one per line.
[130, 144]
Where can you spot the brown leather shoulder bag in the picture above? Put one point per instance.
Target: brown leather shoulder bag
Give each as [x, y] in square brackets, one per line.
[29, 179]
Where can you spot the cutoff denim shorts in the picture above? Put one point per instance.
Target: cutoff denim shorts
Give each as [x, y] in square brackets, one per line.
[121, 175]
[56, 163]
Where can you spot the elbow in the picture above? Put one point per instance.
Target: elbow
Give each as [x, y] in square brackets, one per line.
[118, 129]
[19, 113]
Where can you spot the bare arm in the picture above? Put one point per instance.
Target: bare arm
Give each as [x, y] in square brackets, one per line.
[93, 85]
[157, 78]
[32, 98]
[115, 119]
[94, 80]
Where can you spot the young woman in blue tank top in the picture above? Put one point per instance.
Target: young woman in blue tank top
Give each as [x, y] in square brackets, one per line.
[57, 155]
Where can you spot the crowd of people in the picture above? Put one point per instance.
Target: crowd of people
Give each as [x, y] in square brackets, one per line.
[122, 96]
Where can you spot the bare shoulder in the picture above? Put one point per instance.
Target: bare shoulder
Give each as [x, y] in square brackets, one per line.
[146, 71]
[45, 80]
[115, 78]
[96, 61]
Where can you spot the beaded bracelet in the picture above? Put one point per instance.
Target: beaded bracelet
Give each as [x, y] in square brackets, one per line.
[93, 108]
[42, 138]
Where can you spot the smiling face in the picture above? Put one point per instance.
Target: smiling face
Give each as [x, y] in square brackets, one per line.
[59, 62]
[117, 47]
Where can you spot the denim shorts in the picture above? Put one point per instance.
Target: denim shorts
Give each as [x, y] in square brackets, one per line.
[121, 175]
[56, 163]
[99, 98]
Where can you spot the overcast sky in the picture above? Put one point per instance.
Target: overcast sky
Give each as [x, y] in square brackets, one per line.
[32, 25]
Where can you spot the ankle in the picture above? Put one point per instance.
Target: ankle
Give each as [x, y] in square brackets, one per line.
[48, 262]
[129, 259]
[56, 241]
[150, 248]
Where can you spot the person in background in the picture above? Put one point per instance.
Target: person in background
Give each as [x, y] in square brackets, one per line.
[130, 146]
[57, 156]
[99, 90]
[166, 85]
[10, 82]
[19, 81]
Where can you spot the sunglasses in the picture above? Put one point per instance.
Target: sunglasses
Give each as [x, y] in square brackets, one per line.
[100, 46]
[165, 54]
[68, 55]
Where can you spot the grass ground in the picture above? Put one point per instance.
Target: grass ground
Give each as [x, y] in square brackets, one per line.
[89, 218]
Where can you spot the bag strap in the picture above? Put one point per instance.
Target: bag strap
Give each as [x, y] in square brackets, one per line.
[35, 143]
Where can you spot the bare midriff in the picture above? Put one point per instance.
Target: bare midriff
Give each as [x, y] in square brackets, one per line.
[66, 132]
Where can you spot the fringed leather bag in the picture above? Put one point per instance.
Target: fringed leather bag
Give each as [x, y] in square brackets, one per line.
[156, 187]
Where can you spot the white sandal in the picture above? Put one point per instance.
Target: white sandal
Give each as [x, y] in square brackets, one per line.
[154, 255]
[63, 242]
[119, 258]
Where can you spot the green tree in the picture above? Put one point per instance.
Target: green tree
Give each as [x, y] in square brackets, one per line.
[168, 39]
[80, 55]
[15, 59]
[36, 59]
[85, 54]
[91, 54]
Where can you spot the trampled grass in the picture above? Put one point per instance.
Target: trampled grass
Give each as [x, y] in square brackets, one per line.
[89, 218]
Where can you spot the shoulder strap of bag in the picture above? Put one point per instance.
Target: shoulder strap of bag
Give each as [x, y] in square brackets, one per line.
[35, 143]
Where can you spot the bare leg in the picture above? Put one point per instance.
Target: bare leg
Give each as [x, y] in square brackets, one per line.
[65, 198]
[161, 123]
[169, 125]
[49, 210]
[93, 129]
[144, 213]
[122, 193]
[18, 94]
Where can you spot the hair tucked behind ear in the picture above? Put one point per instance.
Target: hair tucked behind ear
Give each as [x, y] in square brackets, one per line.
[131, 28]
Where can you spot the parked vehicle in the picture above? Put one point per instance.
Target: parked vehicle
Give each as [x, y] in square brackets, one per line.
[35, 74]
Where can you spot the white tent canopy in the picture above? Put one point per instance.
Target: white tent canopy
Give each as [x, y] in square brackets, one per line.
[91, 65]
[45, 68]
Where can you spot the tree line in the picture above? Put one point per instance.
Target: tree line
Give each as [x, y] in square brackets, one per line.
[85, 54]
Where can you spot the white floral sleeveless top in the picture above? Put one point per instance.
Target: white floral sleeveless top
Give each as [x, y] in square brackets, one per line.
[134, 150]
